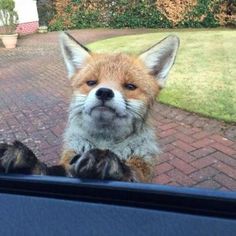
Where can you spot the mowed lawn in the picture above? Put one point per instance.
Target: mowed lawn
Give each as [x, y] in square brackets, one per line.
[203, 79]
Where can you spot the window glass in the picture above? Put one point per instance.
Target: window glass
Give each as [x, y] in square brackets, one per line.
[62, 100]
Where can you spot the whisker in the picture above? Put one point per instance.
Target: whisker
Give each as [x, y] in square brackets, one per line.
[136, 108]
[77, 105]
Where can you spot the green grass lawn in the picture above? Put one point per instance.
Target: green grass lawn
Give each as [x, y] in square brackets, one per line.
[203, 79]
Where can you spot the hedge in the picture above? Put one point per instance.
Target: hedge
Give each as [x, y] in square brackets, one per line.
[77, 14]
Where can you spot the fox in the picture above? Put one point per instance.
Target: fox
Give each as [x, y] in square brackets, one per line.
[109, 133]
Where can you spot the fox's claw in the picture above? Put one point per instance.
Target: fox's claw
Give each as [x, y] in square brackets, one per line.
[101, 164]
[17, 158]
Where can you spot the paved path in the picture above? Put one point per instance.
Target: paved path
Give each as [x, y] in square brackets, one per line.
[34, 96]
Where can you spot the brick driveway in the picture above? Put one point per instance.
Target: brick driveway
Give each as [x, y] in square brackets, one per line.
[34, 96]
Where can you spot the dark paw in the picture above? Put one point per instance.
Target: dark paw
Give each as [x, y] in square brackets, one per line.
[100, 164]
[17, 158]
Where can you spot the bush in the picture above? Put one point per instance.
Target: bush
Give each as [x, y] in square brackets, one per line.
[202, 15]
[86, 19]
[226, 14]
[8, 16]
[142, 13]
[57, 25]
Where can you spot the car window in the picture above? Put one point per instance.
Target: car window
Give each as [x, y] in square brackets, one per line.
[80, 107]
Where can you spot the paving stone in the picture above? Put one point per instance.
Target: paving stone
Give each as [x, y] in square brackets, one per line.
[182, 166]
[208, 184]
[229, 160]
[162, 168]
[206, 173]
[202, 152]
[204, 162]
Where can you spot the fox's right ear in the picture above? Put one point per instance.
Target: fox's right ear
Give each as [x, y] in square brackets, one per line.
[73, 52]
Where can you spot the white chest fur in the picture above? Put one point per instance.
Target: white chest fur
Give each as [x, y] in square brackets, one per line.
[141, 143]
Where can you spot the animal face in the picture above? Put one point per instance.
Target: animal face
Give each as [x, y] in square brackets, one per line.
[116, 90]
[111, 87]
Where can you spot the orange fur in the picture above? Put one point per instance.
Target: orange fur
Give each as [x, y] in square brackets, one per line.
[134, 82]
[116, 70]
[141, 168]
[66, 158]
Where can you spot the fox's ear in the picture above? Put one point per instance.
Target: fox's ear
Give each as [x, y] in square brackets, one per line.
[73, 52]
[160, 58]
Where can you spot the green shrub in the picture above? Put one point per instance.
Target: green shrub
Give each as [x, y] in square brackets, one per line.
[138, 15]
[86, 19]
[202, 15]
[8, 16]
[57, 25]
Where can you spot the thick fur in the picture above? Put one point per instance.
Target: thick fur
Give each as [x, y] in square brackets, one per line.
[121, 124]
[109, 134]
[17, 158]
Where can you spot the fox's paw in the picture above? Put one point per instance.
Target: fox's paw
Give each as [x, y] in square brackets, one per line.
[101, 164]
[17, 158]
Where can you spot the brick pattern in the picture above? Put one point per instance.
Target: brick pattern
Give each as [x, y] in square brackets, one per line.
[27, 28]
[34, 98]
[195, 156]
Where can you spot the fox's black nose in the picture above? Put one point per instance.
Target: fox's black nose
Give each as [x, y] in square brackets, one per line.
[104, 94]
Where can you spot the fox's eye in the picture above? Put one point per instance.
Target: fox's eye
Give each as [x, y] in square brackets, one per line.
[130, 86]
[91, 82]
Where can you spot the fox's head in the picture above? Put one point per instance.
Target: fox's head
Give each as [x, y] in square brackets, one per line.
[114, 92]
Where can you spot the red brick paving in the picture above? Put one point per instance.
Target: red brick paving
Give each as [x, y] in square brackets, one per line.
[34, 97]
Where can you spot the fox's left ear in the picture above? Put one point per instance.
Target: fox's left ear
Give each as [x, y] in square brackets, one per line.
[74, 53]
[160, 58]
